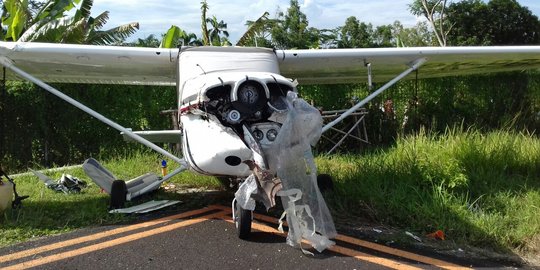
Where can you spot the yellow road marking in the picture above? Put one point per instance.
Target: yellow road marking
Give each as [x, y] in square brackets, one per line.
[371, 258]
[96, 236]
[225, 215]
[110, 243]
[400, 253]
[345, 251]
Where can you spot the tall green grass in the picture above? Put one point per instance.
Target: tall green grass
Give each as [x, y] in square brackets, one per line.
[480, 189]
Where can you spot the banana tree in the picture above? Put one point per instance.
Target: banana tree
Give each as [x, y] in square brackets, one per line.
[258, 32]
[176, 36]
[51, 24]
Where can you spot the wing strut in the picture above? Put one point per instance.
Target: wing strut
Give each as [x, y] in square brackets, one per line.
[415, 65]
[6, 62]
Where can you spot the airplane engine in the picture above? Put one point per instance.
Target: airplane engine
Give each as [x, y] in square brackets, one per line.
[222, 113]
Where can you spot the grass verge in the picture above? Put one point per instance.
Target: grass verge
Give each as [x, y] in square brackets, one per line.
[482, 190]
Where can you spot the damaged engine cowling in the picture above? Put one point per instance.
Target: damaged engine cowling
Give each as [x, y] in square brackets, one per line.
[226, 114]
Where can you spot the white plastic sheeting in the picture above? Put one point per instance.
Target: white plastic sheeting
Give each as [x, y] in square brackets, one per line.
[244, 192]
[290, 156]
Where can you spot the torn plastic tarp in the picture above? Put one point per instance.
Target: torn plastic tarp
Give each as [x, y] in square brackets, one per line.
[245, 191]
[290, 156]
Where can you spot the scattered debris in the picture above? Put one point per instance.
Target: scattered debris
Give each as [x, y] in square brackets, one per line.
[145, 207]
[169, 186]
[436, 235]
[414, 236]
[67, 183]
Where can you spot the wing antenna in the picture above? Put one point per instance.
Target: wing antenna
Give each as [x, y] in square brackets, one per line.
[201, 69]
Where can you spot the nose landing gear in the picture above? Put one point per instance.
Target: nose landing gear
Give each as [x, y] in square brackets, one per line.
[242, 220]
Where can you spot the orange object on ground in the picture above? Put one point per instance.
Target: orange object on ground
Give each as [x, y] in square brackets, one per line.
[437, 235]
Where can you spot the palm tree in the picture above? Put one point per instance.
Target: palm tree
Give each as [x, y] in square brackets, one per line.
[150, 42]
[204, 28]
[218, 28]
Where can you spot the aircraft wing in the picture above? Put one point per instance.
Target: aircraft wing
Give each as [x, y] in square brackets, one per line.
[67, 63]
[330, 66]
[155, 66]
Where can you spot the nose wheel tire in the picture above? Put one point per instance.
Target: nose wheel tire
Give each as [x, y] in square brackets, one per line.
[242, 220]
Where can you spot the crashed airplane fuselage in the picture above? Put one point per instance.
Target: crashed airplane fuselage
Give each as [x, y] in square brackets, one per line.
[240, 118]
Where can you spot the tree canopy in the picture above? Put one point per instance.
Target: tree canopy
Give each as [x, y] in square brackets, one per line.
[291, 30]
[498, 22]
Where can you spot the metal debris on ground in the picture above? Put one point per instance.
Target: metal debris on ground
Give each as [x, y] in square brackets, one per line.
[66, 184]
[414, 236]
[145, 207]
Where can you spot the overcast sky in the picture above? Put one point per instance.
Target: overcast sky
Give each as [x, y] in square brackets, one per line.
[156, 16]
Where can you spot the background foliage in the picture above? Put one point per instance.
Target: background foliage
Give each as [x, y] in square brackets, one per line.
[45, 130]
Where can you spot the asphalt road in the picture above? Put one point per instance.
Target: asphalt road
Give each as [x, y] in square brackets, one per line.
[203, 239]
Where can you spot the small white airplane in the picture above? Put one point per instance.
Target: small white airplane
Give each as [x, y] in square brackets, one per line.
[238, 113]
